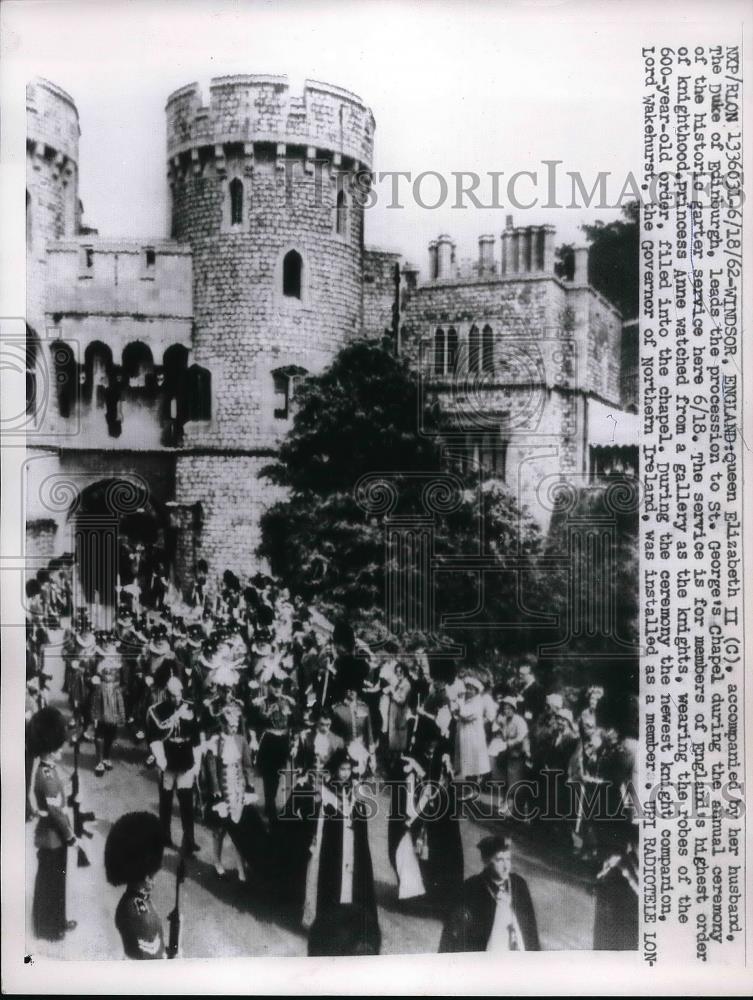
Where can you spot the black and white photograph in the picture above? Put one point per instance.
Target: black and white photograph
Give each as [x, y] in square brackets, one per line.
[351, 592]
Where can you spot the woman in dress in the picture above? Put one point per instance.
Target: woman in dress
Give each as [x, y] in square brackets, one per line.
[229, 773]
[54, 834]
[509, 747]
[593, 696]
[471, 756]
[108, 704]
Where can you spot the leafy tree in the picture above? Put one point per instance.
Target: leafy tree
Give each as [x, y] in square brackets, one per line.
[605, 601]
[360, 417]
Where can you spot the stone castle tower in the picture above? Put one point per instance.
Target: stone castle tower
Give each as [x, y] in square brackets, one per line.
[52, 203]
[161, 374]
[261, 187]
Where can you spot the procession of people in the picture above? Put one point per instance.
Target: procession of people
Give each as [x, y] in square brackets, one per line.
[229, 687]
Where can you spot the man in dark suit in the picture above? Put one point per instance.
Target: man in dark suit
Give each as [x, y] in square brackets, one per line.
[495, 912]
[531, 696]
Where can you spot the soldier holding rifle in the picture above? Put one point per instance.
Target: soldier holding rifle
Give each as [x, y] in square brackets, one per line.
[54, 833]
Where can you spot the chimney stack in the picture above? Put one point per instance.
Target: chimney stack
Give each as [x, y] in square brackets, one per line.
[580, 270]
[486, 254]
[432, 260]
[507, 247]
[548, 263]
[445, 256]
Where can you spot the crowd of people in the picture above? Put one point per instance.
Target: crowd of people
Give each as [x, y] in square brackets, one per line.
[224, 683]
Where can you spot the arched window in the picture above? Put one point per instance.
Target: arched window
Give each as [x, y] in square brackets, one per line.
[138, 364]
[28, 220]
[452, 350]
[474, 349]
[488, 349]
[236, 201]
[174, 364]
[66, 376]
[439, 355]
[341, 214]
[97, 367]
[285, 381]
[292, 274]
[198, 402]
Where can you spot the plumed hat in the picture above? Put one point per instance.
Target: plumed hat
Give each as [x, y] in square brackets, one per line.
[133, 849]
[46, 731]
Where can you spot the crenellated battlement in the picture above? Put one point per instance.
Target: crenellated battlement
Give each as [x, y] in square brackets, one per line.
[52, 120]
[256, 108]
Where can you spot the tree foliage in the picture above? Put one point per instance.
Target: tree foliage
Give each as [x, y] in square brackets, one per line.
[359, 418]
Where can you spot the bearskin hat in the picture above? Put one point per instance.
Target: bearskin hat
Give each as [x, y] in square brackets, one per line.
[351, 674]
[47, 731]
[427, 731]
[616, 712]
[133, 849]
[343, 635]
[265, 615]
[443, 670]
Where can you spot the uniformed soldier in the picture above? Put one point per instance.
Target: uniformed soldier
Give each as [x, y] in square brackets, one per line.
[54, 834]
[133, 856]
[174, 739]
[275, 714]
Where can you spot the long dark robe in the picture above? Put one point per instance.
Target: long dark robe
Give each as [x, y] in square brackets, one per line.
[616, 923]
[442, 870]
[470, 924]
[330, 861]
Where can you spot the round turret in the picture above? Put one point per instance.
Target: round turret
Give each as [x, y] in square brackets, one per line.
[267, 188]
[263, 186]
[52, 205]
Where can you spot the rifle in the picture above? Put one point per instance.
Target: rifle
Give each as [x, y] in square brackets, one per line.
[79, 818]
[173, 918]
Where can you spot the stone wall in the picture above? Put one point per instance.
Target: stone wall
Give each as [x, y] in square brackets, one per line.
[232, 499]
[381, 283]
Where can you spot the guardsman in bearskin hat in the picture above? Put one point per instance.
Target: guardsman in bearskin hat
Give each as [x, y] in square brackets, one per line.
[174, 739]
[46, 734]
[133, 856]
